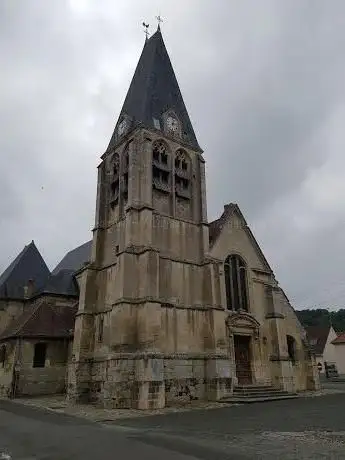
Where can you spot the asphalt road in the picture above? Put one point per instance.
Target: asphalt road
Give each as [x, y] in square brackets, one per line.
[32, 434]
[306, 428]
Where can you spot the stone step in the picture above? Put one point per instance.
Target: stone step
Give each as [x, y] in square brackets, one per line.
[245, 387]
[255, 389]
[257, 394]
[248, 400]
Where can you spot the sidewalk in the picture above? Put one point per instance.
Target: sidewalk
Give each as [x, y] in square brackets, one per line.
[58, 403]
[93, 413]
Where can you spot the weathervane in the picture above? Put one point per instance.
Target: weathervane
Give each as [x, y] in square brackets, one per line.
[146, 31]
[159, 19]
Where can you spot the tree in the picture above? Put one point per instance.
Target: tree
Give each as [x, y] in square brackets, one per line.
[322, 317]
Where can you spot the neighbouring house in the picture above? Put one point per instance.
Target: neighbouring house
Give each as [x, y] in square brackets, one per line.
[37, 313]
[339, 353]
[35, 350]
[170, 305]
[321, 341]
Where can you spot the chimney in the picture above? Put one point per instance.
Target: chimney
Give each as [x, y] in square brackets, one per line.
[29, 289]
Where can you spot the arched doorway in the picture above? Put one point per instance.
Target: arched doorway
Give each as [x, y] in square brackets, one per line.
[243, 331]
[243, 359]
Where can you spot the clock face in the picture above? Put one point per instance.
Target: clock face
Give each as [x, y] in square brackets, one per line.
[172, 124]
[122, 127]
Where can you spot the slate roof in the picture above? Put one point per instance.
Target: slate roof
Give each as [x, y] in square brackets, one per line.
[42, 321]
[75, 258]
[154, 90]
[29, 264]
[63, 283]
[320, 334]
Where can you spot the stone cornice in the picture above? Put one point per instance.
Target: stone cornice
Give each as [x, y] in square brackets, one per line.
[139, 355]
[151, 300]
[274, 315]
[164, 304]
[279, 358]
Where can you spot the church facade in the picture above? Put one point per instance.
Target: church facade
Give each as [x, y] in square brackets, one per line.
[167, 306]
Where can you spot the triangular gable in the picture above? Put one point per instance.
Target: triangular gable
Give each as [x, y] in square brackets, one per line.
[28, 265]
[287, 303]
[216, 227]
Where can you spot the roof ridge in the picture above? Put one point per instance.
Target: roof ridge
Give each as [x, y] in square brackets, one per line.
[14, 263]
[21, 326]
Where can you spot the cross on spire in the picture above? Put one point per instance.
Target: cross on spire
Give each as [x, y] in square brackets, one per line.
[159, 19]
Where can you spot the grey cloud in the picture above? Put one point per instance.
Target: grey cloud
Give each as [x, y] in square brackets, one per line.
[261, 80]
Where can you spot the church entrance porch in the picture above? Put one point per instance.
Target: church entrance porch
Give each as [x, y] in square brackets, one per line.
[243, 359]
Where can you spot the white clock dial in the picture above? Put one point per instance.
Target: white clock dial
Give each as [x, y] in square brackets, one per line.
[172, 124]
[122, 127]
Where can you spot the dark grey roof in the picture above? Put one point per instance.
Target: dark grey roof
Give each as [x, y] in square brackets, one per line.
[75, 259]
[153, 91]
[42, 321]
[28, 265]
[62, 283]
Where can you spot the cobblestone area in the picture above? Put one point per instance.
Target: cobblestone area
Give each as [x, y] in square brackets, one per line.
[96, 414]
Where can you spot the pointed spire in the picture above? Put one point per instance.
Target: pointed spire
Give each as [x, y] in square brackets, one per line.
[154, 90]
[159, 19]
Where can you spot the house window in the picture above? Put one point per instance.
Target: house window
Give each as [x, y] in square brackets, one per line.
[3, 356]
[235, 271]
[100, 329]
[40, 353]
[291, 345]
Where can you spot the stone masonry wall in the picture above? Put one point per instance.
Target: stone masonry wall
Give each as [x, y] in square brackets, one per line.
[6, 370]
[146, 383]
[50, 379]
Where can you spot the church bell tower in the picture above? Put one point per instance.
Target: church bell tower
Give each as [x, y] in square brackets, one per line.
[149, 304]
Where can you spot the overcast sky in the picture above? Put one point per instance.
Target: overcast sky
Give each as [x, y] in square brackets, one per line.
[263, 82]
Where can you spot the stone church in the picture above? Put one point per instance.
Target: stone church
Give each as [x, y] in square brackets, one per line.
[162, 305]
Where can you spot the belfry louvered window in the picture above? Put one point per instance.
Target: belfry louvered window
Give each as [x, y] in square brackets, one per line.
[235, 271]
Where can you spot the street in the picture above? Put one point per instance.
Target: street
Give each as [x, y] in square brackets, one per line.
[304, 428]
[31, 434]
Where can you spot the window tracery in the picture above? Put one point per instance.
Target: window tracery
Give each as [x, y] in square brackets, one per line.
[125, 167]
[114, 180]
[160, 167]
[235, 271]
[182, 174]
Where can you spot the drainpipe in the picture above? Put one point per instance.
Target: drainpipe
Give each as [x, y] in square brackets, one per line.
[16, 368]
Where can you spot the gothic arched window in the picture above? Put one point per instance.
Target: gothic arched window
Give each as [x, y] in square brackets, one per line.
[182, 174]
[124, 172]
[3, 355]
[235, 271]
[292, 348]
[114, 180]
[160, 167]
